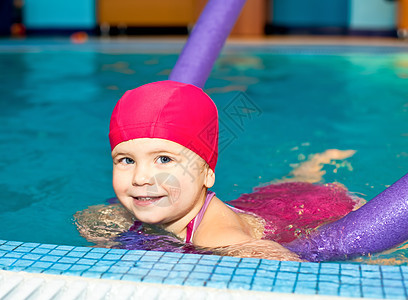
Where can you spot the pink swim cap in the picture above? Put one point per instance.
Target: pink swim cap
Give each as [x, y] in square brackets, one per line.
[168, 110]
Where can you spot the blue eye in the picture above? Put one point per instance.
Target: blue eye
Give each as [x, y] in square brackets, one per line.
[164, 160]
[127, 161]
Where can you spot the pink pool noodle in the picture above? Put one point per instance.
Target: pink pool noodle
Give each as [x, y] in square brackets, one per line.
[206, 41]
[380, 224]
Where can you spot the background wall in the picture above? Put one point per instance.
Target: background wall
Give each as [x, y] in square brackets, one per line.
[373, 14]
[343, 14]
[59, 14]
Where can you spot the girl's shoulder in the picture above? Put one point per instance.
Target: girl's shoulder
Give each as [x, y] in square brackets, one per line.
[221, 227]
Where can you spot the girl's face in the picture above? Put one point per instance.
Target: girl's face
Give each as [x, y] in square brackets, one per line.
[159, 181]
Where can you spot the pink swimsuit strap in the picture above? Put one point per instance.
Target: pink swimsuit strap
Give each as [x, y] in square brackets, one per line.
[195, 222]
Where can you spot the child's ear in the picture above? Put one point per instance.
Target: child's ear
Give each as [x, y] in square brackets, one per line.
[209, 178]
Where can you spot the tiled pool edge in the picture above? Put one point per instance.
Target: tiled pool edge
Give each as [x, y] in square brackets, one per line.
[194, 270]
[23, 285]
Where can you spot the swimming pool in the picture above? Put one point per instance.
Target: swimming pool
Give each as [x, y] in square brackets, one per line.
[57, 98]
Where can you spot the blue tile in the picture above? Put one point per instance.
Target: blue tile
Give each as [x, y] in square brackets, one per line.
[106, 262]
[304, 285]
[47, 246]
[4, 262]
[269, 263]
[350, 290]
[67, 248]
[349, 280]
[94, 255]
[217, 284]
[131, 257]
[392, 283]
[248, 265]
[132, 277]
[7, 247]
[283, 289]
[12, 243]
[286, 276]
[76, 254]
[239, 285]
[118, 269]
[91, 274]
[153, 279]
[183, 267]
[73, 272]
[138, 271]
[195, 256]
[200, 268]
[80, 267]
[61, 267]
[224, 270]
[332, 271]
[220, 277]
[3, 242]
[81, 249]
[329, 278]
[178, 274]
[50, 258]
[58, 252]
[394, 275]
[122, 263]
[199, 275]
[370, 274]
[99, 250]
[23, 263]
[263, 281]
[23, 249]
[350, 272]
[115, 276]
[52, 271]
[32, 256]
[112, 257]
[68, 260]
[146, 265]
[191, 261]
[159, 273]
[14, 254]
[248, 272]
[195, 282]
[148, 259]
[307, 277]
[2, 253]
[178, 281]
[373, 292]
[231, 264]
[245, 279]
[31, 245]
[40, 251]
[371, 281]
[41, 264]
[32, 269]
[164, 266]
[371, 268]
[100, 269]
[282, 282]
[84, 261]
[120, 252]
[328, 288]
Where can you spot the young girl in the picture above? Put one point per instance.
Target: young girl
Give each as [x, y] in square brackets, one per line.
[164, 141]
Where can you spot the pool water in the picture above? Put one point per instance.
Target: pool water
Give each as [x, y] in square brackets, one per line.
[55, 107]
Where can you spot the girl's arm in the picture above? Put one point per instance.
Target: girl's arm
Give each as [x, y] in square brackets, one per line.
[259, 249]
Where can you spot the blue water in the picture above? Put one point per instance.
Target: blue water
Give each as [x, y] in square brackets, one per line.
[55, 107]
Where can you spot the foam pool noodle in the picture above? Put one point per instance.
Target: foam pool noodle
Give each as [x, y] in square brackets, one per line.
[380, 224]
[206, 41]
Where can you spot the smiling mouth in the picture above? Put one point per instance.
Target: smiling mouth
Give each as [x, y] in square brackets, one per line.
[146, 200]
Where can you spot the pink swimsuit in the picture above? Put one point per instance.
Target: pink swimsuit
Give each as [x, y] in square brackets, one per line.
[195, 222]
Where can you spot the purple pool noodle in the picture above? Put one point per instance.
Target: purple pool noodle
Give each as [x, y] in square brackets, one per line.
[380, 224]
[205, 42]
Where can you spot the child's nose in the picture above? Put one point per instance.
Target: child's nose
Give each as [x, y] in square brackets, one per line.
[142, 176]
